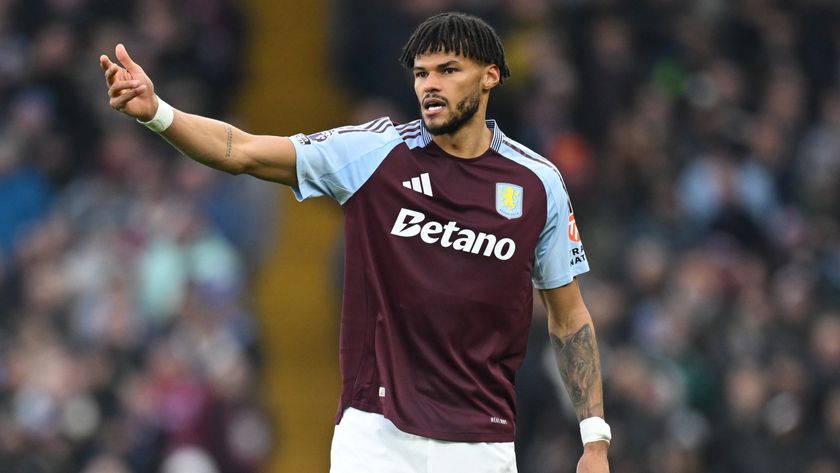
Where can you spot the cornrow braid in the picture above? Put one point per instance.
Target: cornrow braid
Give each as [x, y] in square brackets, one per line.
[460, 34]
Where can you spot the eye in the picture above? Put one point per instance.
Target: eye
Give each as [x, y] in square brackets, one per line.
[420, 74]
[449, 70]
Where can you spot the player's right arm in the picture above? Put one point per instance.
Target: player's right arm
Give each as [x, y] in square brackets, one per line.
[210, 142]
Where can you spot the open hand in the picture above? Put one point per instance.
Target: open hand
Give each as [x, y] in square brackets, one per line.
[129, 88]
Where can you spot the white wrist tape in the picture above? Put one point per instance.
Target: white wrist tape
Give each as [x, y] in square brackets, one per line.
[162, 119]
[593, 429]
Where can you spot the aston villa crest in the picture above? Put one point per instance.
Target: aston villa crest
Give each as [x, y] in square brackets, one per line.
[509, 200]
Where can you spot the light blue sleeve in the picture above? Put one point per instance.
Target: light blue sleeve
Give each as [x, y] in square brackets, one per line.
[336, 163]
[559, 254]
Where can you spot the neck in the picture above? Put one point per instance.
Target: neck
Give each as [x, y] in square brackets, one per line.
[471, 141]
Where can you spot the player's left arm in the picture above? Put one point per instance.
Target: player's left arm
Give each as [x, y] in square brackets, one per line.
[576, 351]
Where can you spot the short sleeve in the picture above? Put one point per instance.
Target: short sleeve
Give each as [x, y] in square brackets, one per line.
[336, 163]
[559, 254]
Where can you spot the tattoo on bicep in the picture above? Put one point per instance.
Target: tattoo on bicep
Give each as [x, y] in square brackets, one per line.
[229, 149]
[577, 358]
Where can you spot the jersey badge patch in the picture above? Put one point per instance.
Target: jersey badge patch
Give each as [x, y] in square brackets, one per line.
[302, 139]
[321, 135]
[509, 200]
[574, 234]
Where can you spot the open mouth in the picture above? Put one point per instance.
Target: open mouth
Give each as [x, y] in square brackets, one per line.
[433, 104]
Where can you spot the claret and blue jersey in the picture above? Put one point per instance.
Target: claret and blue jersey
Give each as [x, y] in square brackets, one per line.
[442, 254]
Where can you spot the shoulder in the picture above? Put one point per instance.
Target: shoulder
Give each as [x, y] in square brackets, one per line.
[538, 164]
[380, 129]
[413, 133]
[352, 141]
[337, 162]
[375, 126]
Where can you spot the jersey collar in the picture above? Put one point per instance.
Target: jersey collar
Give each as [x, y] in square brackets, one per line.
[495, 143]
[498, 136]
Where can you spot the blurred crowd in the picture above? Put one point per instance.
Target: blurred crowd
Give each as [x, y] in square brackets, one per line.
[126, 338]
[700, 143]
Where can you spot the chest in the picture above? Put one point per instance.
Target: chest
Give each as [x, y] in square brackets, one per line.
[435, 197]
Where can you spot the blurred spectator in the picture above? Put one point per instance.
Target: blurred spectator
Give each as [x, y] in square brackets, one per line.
[126, 339]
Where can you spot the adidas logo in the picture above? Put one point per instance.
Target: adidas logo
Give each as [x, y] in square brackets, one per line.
[420, 184]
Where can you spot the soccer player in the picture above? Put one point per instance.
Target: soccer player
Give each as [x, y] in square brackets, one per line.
[449, 225]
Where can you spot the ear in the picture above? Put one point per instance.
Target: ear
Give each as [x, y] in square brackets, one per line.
[492, 76]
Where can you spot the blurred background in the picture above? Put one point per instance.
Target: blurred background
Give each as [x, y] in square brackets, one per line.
[157, 316]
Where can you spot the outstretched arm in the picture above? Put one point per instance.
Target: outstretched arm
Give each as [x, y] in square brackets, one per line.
[210, 142]
[576, 350]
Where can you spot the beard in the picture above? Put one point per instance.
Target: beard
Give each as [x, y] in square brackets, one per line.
[463, 113]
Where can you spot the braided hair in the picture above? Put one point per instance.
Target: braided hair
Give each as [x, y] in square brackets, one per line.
[460, 34]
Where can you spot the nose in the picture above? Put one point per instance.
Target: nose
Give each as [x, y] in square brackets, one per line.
[430, 84]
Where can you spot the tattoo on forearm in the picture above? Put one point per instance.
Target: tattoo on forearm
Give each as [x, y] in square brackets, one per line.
[229, 149]
[577, 358]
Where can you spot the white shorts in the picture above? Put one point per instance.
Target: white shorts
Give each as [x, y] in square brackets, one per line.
[369, 443]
